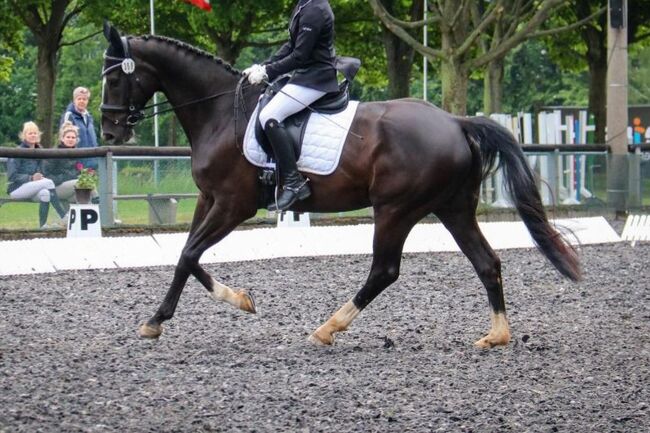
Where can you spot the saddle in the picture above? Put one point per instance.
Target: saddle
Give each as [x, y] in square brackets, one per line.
[330, 103]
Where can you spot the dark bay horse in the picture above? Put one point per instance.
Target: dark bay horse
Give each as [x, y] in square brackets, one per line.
[412, 160]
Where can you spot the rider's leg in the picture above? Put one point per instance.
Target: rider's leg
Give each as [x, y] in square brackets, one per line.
[290, 100]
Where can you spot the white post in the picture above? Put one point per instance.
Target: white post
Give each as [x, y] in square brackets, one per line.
[584, 128]
[156, 141]
[570, 166]
[425, 63]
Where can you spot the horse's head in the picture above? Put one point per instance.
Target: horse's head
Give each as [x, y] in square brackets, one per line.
[126, 89]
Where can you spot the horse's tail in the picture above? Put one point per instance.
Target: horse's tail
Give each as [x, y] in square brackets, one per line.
[495, 140]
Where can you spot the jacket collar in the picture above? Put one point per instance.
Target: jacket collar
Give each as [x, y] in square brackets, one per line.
[73, 109]
[301, 4]
[24, 145]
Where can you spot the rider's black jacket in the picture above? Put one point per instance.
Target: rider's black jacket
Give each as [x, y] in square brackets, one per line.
[309, 53]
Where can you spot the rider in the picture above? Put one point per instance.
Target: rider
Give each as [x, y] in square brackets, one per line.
[310, 55]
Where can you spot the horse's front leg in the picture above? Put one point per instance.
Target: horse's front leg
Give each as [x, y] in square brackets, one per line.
[208, 227]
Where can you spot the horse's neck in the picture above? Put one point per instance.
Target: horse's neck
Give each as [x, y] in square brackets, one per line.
[188, 82]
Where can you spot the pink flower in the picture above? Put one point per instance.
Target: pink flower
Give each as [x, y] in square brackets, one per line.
[79, 166]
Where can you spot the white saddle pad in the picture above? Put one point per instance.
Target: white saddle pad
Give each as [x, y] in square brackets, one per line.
[322, 144]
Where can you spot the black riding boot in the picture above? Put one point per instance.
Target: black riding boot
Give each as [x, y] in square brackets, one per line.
[56, 203]
[43, 210]
[294, 185]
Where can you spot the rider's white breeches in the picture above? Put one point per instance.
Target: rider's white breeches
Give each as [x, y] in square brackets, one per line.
[289, 101]
[36, 190]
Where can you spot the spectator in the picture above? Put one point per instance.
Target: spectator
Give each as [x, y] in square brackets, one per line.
[64, 172]
[77, 114]
[26, 180]
[638, 131]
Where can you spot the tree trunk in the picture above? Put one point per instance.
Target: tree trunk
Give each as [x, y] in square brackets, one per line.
[493, 87]
[227, 49]
[399, 57]
[598, 97]
[595, 38]
[46, 79]
[455, 79]
[399, 54]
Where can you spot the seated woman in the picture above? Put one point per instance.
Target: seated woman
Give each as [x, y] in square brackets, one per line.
[26, 180]
[64, 172]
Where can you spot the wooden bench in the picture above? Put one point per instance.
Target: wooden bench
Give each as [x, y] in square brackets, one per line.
[162, 207]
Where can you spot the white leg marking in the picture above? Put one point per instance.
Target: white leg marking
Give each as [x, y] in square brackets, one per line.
[221, 292]
[342, 318]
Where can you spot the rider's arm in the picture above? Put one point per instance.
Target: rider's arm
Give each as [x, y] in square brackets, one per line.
[311, 24]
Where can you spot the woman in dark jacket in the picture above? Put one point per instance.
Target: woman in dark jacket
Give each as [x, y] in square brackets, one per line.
[64, 171]
[309, 55]
[26, 179]
[77, 113]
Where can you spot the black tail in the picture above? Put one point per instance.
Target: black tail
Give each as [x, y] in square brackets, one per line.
[494, 140]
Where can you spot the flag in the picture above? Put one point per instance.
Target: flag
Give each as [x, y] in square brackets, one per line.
[203, 4]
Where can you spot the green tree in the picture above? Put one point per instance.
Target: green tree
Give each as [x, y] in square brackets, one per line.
[46, 21]
[504, 27]
[462, 25]
[640, 77]
[589, 46]
[11, 40]
[18, 100]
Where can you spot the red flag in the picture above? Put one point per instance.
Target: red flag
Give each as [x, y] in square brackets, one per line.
[203, 4]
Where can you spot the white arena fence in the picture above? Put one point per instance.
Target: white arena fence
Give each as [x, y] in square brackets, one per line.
[36, 256]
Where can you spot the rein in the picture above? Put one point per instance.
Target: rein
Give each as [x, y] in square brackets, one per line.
[173, 107]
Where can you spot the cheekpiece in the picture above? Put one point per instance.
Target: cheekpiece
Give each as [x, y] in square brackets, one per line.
[128, 66]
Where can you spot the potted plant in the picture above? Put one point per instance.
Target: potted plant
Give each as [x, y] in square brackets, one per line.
[86, 184]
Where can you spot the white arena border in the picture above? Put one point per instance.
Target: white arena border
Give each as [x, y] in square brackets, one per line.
[57, 254]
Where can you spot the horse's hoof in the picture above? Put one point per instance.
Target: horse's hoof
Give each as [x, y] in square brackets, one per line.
[319, 340]
[247, 302]
[490, 341]
[149, 331]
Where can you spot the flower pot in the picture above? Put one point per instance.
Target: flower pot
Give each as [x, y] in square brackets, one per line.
[83, 195]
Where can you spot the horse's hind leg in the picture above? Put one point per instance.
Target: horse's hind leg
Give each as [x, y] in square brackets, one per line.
[390, 233]
[207, 229]
[465, 230]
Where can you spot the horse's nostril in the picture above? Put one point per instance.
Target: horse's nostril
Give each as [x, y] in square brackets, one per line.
[107, 136]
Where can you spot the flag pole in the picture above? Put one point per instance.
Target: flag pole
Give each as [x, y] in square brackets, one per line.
[156, 139]
[425, 63]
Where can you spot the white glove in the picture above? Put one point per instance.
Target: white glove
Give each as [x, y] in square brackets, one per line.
[256, 74]
[246, 72]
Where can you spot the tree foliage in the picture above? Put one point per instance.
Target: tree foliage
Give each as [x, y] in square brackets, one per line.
[550, 71]
[466, 42]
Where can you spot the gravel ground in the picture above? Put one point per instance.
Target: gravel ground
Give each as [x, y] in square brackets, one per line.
[70, 359]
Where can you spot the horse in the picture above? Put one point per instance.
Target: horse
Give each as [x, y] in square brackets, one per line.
[407, 159]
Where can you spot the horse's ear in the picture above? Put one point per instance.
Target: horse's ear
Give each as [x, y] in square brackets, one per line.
[113, 37]
[107, 30]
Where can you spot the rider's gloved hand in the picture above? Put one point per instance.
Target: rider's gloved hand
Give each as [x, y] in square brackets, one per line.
[256, 74]
[246, 72]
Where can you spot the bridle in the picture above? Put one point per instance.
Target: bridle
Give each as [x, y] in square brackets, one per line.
[127, 66]
[136, 112]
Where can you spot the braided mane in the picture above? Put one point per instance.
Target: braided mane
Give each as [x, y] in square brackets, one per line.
[187, 47]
